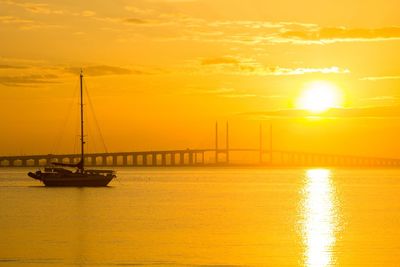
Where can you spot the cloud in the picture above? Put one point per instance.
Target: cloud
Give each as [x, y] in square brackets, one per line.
[259, 32]
[102, 70]
[216, 91]
[181, 27]
[220, 60]
[137, 10]
[339, 34]
[14, 20]
[299, 71]
[232, 65]
[28, 80]
[35, 73]
[20, 62]
[335, 113]
[88, 13]
[11, 67]
[380, 78]
[41, 8]
[247, 66]
[245, 32]
[25, 24]
[135, 21]
[383, 100]
[221, 92]
[238, 95]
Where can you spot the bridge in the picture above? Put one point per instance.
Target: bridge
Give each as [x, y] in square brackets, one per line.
[201, 157]
[204, 157]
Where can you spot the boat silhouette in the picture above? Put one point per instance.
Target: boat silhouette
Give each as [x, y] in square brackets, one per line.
[81, 177]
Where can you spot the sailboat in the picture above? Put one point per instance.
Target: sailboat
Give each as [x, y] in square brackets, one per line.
[81, 177]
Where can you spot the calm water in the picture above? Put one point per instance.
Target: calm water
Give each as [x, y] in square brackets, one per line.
[204, 217]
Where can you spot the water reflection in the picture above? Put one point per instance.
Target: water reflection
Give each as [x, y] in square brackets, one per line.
[319, 218]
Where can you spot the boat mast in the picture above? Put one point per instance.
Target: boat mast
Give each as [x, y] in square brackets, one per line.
[82, 163]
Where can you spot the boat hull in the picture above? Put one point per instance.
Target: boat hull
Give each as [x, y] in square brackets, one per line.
[96, 182]
[72, 179]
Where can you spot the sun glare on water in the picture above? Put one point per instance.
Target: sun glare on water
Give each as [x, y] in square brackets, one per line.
[319, 96]
[320, 225]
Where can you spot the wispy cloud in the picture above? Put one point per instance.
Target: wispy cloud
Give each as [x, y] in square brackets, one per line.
[299, 71]
[383, 100]
[140, 11]
[88, 13]
[223, 92]
[251, 32]
[238, 95]
[339, 34]
[19, 72]
[215, 91]
[220, 60]
[41, 8]
[344, 113]
[175, 26]
[102, 70]
[380, 78]
[14, 20]
[11, 67]
[25, 24]
[135, 21]
[248, 66]
[28, 80]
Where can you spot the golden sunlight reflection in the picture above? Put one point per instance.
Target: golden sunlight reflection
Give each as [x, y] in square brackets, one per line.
[319, 223]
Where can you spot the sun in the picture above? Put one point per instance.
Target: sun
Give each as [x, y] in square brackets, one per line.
[319, 96]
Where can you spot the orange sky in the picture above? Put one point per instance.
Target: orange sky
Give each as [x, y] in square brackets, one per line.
[160, 73]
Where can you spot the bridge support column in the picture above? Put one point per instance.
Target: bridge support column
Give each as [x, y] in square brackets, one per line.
[172, 159]
[154, 159]
[144, 161]
[181, 158]
[190, 158]
[164, 159]
[124, 160]
[134, 159]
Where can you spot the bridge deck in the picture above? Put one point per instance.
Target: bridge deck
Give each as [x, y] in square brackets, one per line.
[198, 157]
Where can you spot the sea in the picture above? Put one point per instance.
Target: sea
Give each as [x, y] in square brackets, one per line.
[205, 217]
